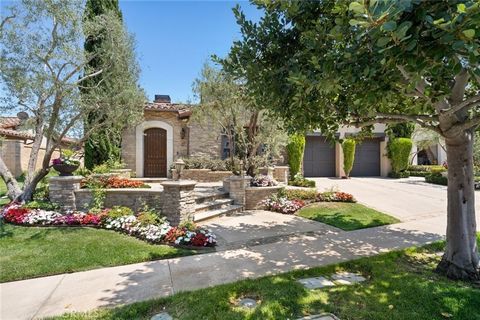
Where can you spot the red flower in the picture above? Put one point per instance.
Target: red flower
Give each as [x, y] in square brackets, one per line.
[199, 240]
[15, 214]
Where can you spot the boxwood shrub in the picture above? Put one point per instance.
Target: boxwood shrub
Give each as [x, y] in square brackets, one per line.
[423, 170]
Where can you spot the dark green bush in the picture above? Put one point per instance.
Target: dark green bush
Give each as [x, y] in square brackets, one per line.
[43, 205]
[398, 175]
[348, 147]
[400, 149]
[295, 149]
[436, 178]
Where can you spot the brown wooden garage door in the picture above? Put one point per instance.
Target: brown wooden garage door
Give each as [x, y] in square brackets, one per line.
[367, 159]
[319, 157]
[155, 153]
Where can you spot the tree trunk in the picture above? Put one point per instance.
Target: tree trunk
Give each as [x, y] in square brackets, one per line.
[29, 189]
[13, 189]
[461, 260]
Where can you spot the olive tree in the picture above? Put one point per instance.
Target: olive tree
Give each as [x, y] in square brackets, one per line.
[323, 64]
[43, 67]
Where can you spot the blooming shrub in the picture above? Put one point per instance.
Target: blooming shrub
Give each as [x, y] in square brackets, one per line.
[283, 205]
[122, 219]
[263, 181]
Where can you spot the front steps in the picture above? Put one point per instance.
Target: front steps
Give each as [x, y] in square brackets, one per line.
[214, 204]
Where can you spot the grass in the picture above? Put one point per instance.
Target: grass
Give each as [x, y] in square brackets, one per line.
[400, 285]
[27, 252]
[346, 216]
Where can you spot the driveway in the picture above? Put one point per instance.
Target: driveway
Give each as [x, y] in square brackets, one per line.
[406, 199]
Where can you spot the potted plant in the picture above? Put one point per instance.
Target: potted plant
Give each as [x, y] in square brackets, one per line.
[66, 164]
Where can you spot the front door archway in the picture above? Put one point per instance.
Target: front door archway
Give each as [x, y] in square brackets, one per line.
[155, 153]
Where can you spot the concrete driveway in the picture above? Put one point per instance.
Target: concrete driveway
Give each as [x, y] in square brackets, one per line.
[406, 199]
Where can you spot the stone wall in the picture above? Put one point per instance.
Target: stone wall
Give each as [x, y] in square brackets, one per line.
[280, 173]
[135, 198]
[11, 154]
[205, 139]
[254, 195]
[205, 175]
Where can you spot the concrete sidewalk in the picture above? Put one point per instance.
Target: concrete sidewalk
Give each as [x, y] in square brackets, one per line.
[82, 291]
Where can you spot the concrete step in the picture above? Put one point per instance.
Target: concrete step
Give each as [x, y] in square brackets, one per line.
[213, 205]
[209, 196]
[205, 215]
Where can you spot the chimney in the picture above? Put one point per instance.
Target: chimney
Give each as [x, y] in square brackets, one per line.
[162, 98]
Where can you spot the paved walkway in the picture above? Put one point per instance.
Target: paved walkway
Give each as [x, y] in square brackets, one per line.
[82, 291]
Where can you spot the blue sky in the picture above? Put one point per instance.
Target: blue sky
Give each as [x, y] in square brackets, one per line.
[175, 38]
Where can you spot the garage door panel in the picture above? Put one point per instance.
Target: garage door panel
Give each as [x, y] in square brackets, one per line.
[367, 159]
[319, 157]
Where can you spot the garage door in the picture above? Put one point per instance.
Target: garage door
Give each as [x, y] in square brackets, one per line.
[367, 159]
[319, 157]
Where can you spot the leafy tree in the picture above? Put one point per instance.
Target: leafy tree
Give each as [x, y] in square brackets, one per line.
[254, 137]
[104, 144]
[295, 150]
[399, 149]
[348, 147]
[323, 64]
[42, 68]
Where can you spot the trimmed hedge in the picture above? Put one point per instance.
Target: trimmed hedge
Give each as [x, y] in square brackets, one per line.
[423, 170]
[348, 146]
[299, 181]
[400, 149]
[295, 149]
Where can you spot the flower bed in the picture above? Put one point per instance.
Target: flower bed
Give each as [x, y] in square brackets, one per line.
[143, 225]
[263, 181]
[291, 200]
[111, 182]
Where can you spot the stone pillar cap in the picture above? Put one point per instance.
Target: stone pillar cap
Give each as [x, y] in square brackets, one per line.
[66, 178]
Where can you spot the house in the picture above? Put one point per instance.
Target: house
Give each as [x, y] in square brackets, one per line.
[16, 145]
[168, 132]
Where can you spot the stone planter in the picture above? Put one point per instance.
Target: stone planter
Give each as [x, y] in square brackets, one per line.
[65, 170]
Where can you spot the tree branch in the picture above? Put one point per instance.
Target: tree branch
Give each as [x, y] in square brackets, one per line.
[458, 88]
[467, 104]
[419, 86]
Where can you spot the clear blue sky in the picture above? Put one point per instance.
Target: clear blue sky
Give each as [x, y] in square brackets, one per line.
[175, 38]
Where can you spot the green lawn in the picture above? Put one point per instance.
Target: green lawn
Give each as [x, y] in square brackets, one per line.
[401, 285]
[27, 252]
[346, 216]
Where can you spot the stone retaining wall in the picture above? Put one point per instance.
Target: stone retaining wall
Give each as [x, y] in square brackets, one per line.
[280, 173]
[253, 195]
[135, 198]
[205, 175]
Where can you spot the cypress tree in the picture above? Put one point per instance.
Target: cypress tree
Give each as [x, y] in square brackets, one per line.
[103, 145]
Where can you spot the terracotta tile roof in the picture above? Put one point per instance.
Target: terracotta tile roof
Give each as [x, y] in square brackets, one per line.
[9, 122]
[16, 134]
[183, 110]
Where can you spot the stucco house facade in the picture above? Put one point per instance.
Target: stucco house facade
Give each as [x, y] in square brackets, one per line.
[169, 131]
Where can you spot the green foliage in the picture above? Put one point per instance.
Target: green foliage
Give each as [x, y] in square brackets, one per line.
[301, 194]
[295, 150]
[398, 175]
[348, 146]
[476, 149]
[436, 178]
[300, 181]
[119, 211]
[400, 130]
[400, 149]
[189, 225]
[43, 205]
[149, 217]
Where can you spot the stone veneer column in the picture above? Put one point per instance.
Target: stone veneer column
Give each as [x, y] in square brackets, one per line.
[179, 200]
[237, 188]
[62, 191]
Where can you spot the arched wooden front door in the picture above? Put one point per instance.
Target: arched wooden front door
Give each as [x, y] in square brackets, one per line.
[155, 153]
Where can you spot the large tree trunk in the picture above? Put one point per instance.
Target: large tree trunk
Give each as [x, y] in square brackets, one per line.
[13, 189]
[461, 260]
